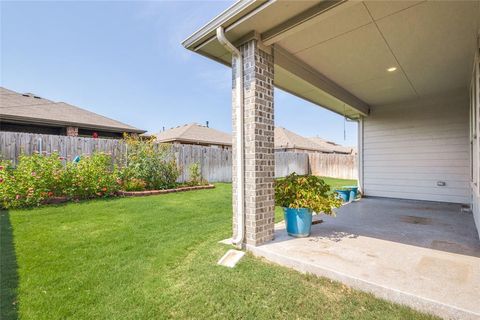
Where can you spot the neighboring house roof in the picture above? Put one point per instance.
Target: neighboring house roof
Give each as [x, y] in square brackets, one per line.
[286, 139]
[29, 108]
[195, 133]
[332, 146]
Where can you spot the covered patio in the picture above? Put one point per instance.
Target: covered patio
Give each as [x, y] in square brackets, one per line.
[422, 254]
[408, 72]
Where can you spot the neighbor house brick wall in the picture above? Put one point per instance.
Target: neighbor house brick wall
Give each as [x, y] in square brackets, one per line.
[259, 144]
[72, 131]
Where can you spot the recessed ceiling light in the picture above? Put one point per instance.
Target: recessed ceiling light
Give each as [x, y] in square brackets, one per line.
[391, 69]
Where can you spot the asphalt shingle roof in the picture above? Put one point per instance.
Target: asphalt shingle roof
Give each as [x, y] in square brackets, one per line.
[30, 108]
[195, 133]
[284, 139]
[332, 146]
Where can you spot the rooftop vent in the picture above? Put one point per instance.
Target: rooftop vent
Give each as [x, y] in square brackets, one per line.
[31, 95]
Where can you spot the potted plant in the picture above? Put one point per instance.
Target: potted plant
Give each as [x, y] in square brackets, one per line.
[347, 193]
[300, 196]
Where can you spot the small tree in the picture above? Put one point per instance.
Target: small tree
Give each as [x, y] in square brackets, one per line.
[150, 162]
[195, 175]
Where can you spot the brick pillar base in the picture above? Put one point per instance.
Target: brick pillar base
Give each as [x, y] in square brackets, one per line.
[259, 144]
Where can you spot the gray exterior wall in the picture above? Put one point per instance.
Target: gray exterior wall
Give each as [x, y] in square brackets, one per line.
[475, 137]
[408, 147]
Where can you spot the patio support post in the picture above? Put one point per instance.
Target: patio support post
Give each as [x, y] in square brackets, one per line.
[258, 143]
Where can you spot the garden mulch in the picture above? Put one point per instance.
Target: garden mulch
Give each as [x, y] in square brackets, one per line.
[155, 192]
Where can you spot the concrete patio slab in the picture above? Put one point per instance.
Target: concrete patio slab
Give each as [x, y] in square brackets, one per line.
[422, 254]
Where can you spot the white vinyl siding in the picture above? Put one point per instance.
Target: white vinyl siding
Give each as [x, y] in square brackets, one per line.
[475, 139]
[409, 147]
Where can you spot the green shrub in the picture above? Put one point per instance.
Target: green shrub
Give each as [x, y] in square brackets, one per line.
[91, 177]
[305, 192]
[195, 175]
[152, 163]
[35, 179]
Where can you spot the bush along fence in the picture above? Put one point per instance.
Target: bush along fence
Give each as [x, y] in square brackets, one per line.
[39, 179]
[148, 169]
[215, 163]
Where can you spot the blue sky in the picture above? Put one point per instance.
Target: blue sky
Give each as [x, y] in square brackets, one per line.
[124, 60]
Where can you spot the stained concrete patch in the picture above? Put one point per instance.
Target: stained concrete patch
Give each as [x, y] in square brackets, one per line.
[444, 269]
[416, 220]
[451, 247]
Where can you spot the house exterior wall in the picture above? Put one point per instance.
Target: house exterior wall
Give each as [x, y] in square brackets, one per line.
[476, 209]
[409, 147]
[475, 137]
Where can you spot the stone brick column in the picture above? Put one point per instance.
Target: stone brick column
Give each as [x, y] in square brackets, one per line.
[72, 131]
[259, 144]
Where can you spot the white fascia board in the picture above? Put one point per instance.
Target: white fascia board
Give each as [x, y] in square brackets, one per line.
[240, 8]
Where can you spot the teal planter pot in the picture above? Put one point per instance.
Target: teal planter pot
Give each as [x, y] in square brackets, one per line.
[348, 193]
[344, 195]
[298, 221]
[353, 189]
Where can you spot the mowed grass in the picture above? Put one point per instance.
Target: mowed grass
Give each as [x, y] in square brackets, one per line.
[155, 258]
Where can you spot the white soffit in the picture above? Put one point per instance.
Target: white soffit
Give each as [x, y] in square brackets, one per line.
[434, 43]
[430, 43]
[333, 26]
[356, 61]
[347, 47]
[381, 9]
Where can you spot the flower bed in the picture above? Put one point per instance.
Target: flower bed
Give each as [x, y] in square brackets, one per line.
[155, 192]
[46, 179]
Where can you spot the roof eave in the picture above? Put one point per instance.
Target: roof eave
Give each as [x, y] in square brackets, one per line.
[192, 141]
[75, 124]
[225, 18]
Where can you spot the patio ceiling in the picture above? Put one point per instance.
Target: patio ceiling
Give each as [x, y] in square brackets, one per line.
[336, 53]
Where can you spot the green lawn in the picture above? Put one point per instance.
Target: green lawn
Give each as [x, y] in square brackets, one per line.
[153, 258]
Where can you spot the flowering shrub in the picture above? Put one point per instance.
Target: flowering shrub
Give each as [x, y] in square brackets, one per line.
[37, 178]
[89, 178]
[134, 184]
[150, 162]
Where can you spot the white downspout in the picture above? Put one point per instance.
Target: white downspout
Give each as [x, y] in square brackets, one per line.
[238, 240]
[360, 156]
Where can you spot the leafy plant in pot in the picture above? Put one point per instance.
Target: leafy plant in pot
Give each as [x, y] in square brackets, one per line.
[300, 196]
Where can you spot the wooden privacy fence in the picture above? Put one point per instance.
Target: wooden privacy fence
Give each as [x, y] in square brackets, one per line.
[215, 163]
[288, 162]
[13, 144]
[342, 166]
